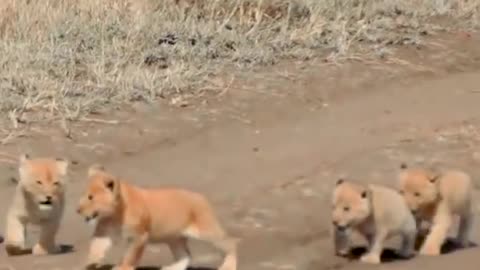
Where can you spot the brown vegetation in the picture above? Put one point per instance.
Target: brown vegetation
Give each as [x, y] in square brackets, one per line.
[63, 59]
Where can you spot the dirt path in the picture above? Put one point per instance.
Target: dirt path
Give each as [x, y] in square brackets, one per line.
[270, 178]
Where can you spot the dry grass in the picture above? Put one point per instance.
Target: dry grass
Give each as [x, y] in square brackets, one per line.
[62, 59]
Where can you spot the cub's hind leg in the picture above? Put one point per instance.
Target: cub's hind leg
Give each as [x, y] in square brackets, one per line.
[210, 231]
[409, 237]
[205, 227]
[15, 236]
[407, 249]
[180, 253]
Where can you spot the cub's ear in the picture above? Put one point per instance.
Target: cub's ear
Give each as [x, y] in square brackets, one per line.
[339, 181]
[22, 165]
[364, 194]
[62, 166]
[434, 177]
[94, 169]
[24, 158]
[111, 184]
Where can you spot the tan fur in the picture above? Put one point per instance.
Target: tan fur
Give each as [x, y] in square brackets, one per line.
[39, 179]
[161, 215]
[437, 198]
[377, 213]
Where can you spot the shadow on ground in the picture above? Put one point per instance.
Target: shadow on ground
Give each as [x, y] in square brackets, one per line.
[390, 255]
[64, 249]
[448, 247]
[110, 267]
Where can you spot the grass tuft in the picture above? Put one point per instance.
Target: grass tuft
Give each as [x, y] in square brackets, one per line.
[63, 59]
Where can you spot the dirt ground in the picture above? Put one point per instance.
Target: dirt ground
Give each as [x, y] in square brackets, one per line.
[269, 149]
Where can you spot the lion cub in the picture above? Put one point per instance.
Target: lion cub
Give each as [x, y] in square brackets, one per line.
[38, 200]
[437, 198]
[142, 216]
[377, 213]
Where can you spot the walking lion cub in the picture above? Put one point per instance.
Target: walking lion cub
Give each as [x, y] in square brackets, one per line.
[142, 216]
[39, 199]
[437, 198]
[377, 213]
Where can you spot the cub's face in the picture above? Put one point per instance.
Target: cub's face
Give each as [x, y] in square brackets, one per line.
[101, 196]
[43, 180]
[351, 205]
[418, 187]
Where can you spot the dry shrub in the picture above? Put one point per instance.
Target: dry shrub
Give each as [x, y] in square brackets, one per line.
[65, 58]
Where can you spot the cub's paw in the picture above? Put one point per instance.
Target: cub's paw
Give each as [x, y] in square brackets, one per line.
[123, 267]
[430, 250]
[342, 252]
[91, 266]
[370, 258]
[406, 254]
[14, 250]
[41, 250]
[461, 243]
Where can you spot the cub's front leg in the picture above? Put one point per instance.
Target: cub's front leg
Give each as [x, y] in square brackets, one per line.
[46, 242]
[15, 236]
[341, 242]
[134, 252]
[442, 222]
[376, 248]
[99, 245]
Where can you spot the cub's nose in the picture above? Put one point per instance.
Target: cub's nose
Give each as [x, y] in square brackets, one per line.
[49, 198]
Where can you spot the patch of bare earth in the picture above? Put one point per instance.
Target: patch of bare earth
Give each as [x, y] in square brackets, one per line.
[267, 158]
[267, 145]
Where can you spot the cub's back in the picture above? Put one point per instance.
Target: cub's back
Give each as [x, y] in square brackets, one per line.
[389, 207]
[456, 188]
[174, 209]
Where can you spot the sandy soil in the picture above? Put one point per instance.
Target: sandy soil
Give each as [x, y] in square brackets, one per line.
[268, 151]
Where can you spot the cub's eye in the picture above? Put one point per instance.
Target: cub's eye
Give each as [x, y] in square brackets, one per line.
[39, 182]
[346, 209]
[90, 197]
[56, 184]
[416, 194]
